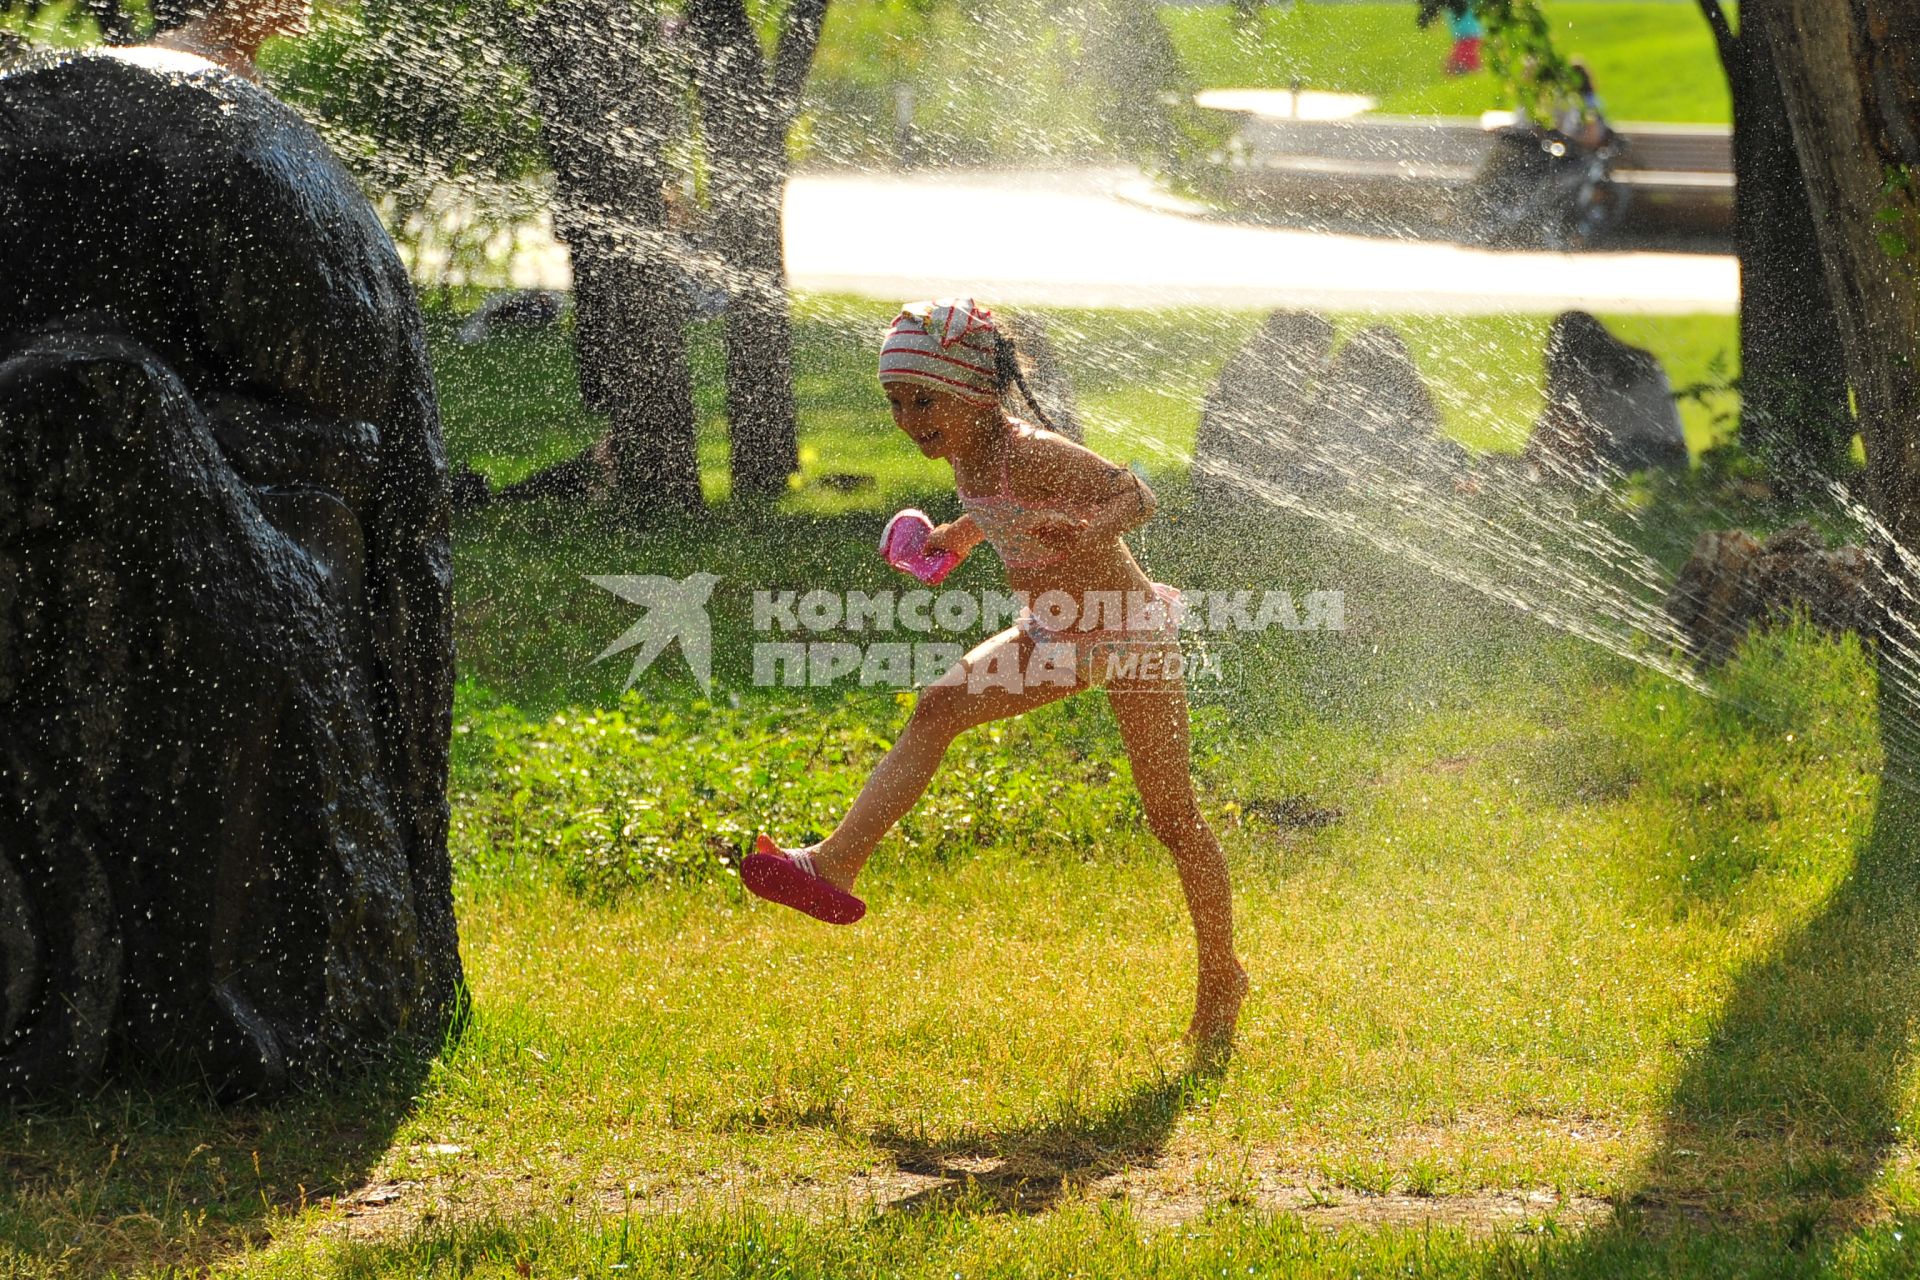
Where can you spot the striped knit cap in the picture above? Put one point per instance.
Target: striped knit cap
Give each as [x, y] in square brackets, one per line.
[947, 345]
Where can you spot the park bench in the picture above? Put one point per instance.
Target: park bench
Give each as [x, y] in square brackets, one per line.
[1411, 171]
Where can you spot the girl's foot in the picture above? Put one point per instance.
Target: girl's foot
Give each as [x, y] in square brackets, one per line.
[1216, 1009]
[791, 880]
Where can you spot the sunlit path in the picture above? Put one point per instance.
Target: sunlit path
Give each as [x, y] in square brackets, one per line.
[1082, 238]
[1069, 239]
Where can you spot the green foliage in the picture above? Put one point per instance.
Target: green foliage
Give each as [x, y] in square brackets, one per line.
[415, 86]
[423, 101]
[60, 24]
[613, 799]
[1000, 80]
[1649, 61]
[1524, 57]
[1897, 218]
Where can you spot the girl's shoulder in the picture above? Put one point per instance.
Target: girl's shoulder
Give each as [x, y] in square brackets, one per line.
[1044, 440]
[1047, 465]
[1037, 446]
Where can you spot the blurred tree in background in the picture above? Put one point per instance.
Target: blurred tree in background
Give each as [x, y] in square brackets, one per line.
[608, 106]
[748, 99]
[659, 137]
[1794, 407]
[668, 131]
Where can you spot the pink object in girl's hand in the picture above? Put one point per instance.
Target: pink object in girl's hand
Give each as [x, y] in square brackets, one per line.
[904, 546]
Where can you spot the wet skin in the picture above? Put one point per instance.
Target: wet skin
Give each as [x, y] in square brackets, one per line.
[1151, 714]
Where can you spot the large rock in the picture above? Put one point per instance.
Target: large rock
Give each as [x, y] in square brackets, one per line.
[1251, 418]
[1374, 429]
[225, 656]
[1609, 407]
[1362, 425]
[1733, 582]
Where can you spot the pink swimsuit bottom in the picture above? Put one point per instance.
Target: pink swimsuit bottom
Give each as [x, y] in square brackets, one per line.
[1094, 647]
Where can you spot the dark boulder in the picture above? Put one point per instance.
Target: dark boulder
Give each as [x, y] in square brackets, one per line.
[1250, 421]
[1361, 425]
[225, 648]
[1374, 428]
[1733, 582]
[1609, 407]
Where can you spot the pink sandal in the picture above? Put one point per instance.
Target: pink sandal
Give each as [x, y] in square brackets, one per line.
[772, 873]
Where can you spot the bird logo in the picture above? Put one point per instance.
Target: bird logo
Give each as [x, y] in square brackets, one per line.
[674, 609]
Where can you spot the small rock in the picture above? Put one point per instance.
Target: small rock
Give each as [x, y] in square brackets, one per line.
[1609, 406]
[521, 309]
[844, 481]
[1292, 811]
[1733, 581]
[470, 489]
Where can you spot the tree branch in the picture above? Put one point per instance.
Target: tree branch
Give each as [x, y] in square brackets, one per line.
[1727, 43]
[799, 37]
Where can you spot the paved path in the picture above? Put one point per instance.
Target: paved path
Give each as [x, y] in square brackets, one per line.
[1090, 238]
[1070, 239]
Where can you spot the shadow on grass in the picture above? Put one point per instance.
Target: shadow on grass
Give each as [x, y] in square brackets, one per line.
[1782, 1121]
[1028, 1170]
[140, 1177]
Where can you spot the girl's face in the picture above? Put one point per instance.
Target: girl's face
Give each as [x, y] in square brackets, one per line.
[940, 423]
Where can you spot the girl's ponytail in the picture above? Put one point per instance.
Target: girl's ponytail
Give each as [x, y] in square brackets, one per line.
[1006, 373]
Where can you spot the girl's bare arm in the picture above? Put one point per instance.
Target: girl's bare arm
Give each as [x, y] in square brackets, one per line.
[960, 536]
[1130, 505]
[1110, 498]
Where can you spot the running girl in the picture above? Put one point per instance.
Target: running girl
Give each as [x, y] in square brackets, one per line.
[1055, 512]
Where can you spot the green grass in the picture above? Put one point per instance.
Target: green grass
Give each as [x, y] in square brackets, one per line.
[1649, 61]
[1571, 929]
[988, 89]
[529, 626]
[511, 406]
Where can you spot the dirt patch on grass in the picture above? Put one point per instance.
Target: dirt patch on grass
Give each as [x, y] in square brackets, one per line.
[1165, 1194]
[1292, 813]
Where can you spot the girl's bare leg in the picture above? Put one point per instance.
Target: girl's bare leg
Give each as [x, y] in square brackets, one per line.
[1153, 724]
[945, 710]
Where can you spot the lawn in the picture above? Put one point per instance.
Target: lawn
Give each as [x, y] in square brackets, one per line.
[983, 88]
[528, 630]
[1649, 61]
[1606, 975]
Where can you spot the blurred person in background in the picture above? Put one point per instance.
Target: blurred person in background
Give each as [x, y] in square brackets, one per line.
[227, 33]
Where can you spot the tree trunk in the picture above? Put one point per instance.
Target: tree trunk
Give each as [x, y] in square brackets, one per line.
[1849, 73]
[745, 110]
[1793, 387]
[605, 119]
[762, 417]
